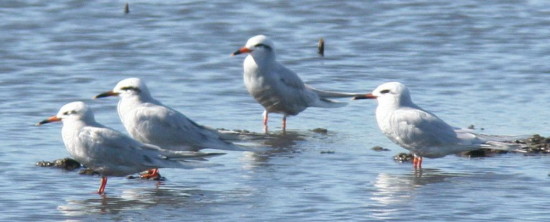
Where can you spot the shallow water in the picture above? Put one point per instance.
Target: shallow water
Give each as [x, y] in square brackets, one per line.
[472, 62]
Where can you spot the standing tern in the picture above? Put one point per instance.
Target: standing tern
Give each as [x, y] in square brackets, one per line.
[277, 88]
[422, 132]
[110, 152]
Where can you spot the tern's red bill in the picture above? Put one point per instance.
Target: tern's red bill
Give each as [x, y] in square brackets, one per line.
[241, 50]
[366, 96]
[49, 120]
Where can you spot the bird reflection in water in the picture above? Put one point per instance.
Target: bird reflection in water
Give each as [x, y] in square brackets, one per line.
[131, 200]
[391, 189]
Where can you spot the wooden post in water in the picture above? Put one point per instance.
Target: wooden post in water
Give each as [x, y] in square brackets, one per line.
[126, 8]
[321, 47]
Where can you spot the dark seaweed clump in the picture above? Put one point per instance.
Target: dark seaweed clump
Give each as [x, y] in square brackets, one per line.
[403, 157]
[65, 163]
[535, 144]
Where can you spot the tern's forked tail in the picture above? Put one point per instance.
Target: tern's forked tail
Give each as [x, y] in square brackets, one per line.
[189, 155]
[331, 94]
[327, 103]
[184, 159]
[508, 143]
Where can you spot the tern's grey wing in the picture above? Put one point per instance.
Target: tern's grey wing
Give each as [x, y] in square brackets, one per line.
[298, 96]
[114, 153]
[416, 128]
[294, 95]
[170, 129]
[288, 77]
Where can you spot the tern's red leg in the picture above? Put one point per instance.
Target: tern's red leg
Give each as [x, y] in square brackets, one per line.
[152, 173]
[284, 123]
[266, 117]
[102, 186]
[417, 162]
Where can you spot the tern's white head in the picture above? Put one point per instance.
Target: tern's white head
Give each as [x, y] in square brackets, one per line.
[131, 86]
[127, 88]
[390, 94]
[257, 44]
[72, 112]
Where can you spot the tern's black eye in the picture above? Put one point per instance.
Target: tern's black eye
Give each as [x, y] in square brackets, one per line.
[131, 88]
[69, 112]
[262, 45]
[385, 91]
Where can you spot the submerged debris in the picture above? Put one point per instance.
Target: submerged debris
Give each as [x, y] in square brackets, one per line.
[472, 127]
[88, 171]
[320, 130]
[65, 163]
[482, 153]
[240, 131]
[328, 152]
[235, 132]
[403, 157]
[379, 148]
